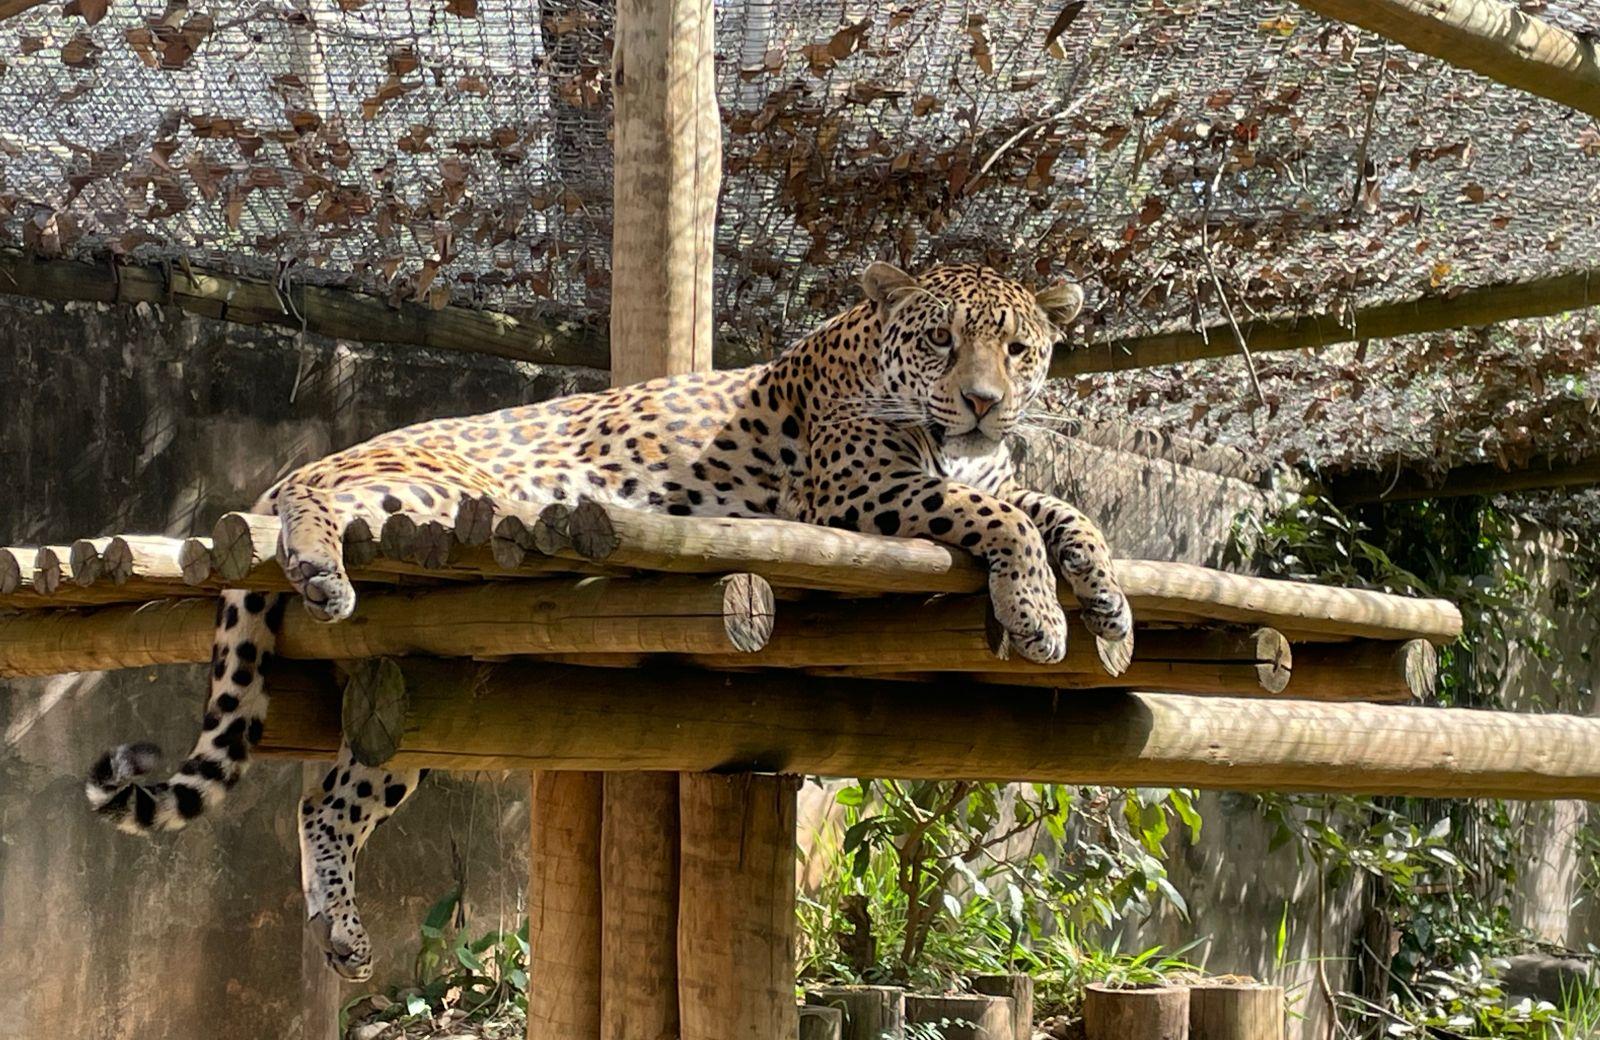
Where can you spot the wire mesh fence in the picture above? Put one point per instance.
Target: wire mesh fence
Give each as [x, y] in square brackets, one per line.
[1167, 152]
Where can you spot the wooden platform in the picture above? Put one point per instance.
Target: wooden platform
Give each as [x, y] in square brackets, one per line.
[617, 588]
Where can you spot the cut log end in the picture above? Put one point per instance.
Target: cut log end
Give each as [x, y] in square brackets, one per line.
[594, 537]
[435, 545]
[233, 549]
[11, 571]
[748, 610]
[510, 542]
[550, 530]
[86, 560]
[194, 558]
[474, 522]
[48, 570]
[1274, 659]
[374, 711]
[399, 538]
[118, 561]
[360, 547]
[1418, 661]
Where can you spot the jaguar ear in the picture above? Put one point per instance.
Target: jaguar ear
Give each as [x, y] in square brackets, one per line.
[1061, 302]
[883, 282]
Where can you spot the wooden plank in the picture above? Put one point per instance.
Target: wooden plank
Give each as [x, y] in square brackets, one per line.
[558, 616]
[1497, 39]
[564, 911]
[328, 311]
[1485, 305]
[539, 715]
[736, 951]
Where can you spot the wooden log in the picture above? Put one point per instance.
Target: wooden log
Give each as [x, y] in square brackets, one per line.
[398, 540]
[1135, 1013]
[511, 542]
[804, 556]
[194, 560]
[242, 543]
[373, 710]
[639, 901]
[565, 909]
[325, 310]
[86, 559]
[1236, 1011]
[435, 546]
[967, 1016]
[668, 168]
[1483, 478]
[1018, 988]
[1486, 305]
[736, 910]
[153, 558]
[360, 544]
[1490, 37]
[52, 565]
[531, 715]
[16, 570]
[820, 1023]
[549, 531]
[868, 1012]
[474, 521]
[1392, 672]
[491, 620]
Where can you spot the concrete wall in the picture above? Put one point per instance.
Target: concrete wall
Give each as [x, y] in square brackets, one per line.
[138, 421]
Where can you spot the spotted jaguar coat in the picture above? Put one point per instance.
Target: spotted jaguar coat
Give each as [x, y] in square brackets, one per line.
[888, 419]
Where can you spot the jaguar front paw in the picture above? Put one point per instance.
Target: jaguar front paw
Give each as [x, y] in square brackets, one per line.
[1036, 626]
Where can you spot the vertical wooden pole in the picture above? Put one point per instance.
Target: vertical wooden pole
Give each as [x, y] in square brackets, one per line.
[639, 913]
[668, 170]
[564, 907]
[736, 908]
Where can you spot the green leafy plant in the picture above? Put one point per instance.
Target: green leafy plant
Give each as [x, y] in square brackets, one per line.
[455, 978]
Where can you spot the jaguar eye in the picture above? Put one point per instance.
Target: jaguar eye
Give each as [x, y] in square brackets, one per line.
[940, 337]
[1017, 348]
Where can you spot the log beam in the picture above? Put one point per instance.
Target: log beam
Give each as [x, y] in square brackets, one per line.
[1485, 305]
[334, 312]
[1484, 478]
[491, 620]
[543, 716]
[1490, 37]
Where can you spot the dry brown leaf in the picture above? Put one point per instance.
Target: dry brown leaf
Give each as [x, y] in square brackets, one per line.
[91, 11]
[80, 52]
[461, 8]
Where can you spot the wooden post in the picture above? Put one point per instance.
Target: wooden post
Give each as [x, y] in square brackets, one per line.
[1019, 988]
[1145, 1013]
[639, 907]
[668, 170]
[820, 1023]
[1235, 1011]
[320, 996]
[736, 911]
[564, 907]
[869, 1012]
[965, 1016]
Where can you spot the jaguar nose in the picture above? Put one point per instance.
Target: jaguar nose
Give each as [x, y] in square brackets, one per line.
[980, 401]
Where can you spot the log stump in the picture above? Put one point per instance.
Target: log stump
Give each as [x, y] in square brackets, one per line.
[867, 1012]
[1019, 988]
[820, 1023]
[1136, 1013]
[964, 1016]
[1236, 1011]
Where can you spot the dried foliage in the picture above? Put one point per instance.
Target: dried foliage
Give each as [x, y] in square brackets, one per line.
[1168, 151]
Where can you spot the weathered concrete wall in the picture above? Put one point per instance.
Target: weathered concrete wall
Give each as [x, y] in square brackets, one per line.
[125, 421]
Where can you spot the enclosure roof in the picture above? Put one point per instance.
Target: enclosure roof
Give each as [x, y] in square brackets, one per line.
[458, 149]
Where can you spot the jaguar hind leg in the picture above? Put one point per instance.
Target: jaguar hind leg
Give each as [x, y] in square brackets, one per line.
[336, 820]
